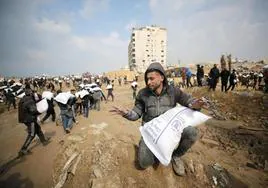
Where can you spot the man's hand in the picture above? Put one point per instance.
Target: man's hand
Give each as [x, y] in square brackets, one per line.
[119, 111]
[198, 104]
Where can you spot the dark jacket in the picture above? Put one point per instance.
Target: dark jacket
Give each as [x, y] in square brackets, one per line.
[85, 101]
[200, 72]
[10, 96]
[224, 76]
[66, 109]
[27, 111]
[214, 73]
[148, 105]
[50, 105]
[232, 78]
[97, 95]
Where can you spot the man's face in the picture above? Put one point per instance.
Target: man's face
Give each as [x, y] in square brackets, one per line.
[154, 80]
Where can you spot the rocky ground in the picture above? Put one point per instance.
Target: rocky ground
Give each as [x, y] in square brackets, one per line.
[231, 152]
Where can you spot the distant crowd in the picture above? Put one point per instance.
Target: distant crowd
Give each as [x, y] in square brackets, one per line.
[228, 78]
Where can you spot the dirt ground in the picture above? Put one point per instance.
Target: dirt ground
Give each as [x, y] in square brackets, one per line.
[231, 151]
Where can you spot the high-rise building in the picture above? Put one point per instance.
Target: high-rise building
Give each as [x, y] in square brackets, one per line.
[147, 45]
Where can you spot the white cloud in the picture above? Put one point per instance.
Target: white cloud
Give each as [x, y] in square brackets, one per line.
[49, 44]
[53, 26]
[90, 7]
[153, 3]
[36, 55]
[199, 31]
[110, 46]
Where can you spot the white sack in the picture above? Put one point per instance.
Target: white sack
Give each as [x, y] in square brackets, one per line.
[162, 134]
[16, 84]
[109, 86]
[81, 93]
[19, 91]
[90, 85]
[63, 97]
[96, 89]
[47, 94]
[3, 87]
[21, 95]
[42, 106]
[134, 84]
[82, 85]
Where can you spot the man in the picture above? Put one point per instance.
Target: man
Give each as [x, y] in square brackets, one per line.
[78, 105]
[28, 115]
[199, 75]
[11, 99]
[85, 104]
[73, 103]
[120, 81]
[232, 80]
[66, 114]
[214, 75]
[50, 111]
[188, 78]
[154, 100]
[224, 79]
[97, 95]
[110, 91]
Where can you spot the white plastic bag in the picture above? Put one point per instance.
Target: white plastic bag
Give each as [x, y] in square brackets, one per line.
[42, 106]
[47, 94]
[162, 134]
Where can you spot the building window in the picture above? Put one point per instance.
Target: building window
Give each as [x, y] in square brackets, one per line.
[162, 50]
[162, 61]
[143, 60]
[133, 55]
[162, 55]
[133, 40]
[148, 35]
[147, 50]
[148, 55]
[133, 50]
[133, 34]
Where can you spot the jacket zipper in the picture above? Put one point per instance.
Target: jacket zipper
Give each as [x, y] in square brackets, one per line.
[157, 105]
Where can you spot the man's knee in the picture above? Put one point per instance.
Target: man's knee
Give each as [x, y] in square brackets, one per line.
[190, 133]
[145, 156]
[145, 161]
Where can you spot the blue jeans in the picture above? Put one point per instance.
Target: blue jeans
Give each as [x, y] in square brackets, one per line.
[67, 121]
[85, 111]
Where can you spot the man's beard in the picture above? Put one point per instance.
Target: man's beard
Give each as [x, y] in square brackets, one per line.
[154, 88]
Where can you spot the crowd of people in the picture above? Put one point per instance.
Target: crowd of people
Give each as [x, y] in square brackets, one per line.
[84, 95]
[228, 78]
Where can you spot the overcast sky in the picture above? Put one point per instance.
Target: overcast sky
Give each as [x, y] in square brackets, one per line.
[75, 36]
